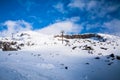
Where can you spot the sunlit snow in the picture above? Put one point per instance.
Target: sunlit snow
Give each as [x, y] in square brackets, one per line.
[44, 57]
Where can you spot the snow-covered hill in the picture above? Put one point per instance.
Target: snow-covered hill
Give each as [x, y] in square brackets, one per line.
[44, 57]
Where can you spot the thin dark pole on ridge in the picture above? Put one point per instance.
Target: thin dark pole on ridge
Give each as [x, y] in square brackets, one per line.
[62, 35]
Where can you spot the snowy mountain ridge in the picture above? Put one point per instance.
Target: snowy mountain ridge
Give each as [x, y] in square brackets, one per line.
[35, 39]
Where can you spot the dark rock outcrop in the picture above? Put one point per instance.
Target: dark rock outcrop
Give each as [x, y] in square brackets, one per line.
[83, 36]
[118, 57]
[7, 46]
[103, 48]
[97, 57]
[86, 47]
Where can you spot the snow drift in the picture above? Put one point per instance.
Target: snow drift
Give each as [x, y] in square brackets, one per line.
[44, 57]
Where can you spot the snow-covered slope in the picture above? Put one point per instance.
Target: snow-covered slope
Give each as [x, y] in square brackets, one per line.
[44, 57]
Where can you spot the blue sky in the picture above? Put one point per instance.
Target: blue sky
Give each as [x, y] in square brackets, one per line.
[83, 16]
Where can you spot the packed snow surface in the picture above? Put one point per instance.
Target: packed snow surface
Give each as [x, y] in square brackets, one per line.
[44, 57]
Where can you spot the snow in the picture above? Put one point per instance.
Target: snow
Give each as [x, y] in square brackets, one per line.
[49, 59]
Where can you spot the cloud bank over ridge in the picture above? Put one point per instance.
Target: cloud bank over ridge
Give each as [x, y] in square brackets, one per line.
[68, 26]
[50, 17]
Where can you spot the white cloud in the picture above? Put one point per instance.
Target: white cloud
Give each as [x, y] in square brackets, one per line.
[74, 19]
[91, 4]
[113, 26]
[68, 26]
[59, 7]
[15, 26]
[77, 4]
[56, 28]
[95, 7]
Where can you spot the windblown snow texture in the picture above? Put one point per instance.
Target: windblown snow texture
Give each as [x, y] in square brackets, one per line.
[43, 57]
